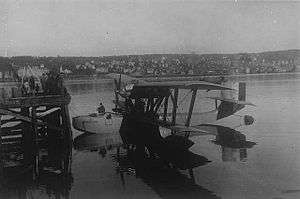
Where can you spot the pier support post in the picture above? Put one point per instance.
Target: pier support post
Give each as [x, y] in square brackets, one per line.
[26, 135]
[34, 126]
[1, 155]
[66, 123]
[35, 141]
[27, 139]
[176, 91]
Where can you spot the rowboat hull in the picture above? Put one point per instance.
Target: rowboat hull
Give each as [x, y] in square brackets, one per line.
[104, 123]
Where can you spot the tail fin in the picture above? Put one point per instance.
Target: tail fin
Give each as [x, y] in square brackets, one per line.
[242, 91]
[227, 108]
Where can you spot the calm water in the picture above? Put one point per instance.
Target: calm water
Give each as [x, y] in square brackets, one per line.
[270, 169]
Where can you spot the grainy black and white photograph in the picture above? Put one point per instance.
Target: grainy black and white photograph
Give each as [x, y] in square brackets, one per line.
[141, 99]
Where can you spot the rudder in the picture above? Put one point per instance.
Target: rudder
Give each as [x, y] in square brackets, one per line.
[242, 91]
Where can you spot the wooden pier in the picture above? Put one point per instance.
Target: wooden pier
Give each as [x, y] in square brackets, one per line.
[30, 123]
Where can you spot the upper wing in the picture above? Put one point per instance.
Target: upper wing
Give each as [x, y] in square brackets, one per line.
[152, 89]
[201, 85]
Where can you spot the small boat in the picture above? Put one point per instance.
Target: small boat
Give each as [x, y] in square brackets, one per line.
[108, 122]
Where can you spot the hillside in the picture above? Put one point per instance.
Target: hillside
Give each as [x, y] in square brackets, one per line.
[165, 64]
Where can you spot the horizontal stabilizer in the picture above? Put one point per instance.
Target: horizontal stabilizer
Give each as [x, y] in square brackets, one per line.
[233, 101]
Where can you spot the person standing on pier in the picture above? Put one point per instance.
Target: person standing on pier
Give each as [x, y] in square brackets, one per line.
[44, 78]
[59, 82]
[31, 84]
[26, 87]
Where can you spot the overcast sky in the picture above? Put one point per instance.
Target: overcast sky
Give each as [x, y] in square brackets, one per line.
[103, 27]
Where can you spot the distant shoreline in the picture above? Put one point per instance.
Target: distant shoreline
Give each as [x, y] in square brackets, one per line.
[173, 78]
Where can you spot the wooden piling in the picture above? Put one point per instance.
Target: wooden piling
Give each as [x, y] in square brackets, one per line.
[34, 126]
[66, 123]
[26, 135]
[1, 152]
[66, 161]
[35, 141]
[176, 91]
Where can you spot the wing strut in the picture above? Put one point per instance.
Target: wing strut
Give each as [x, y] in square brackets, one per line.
[188, 119]
[165, 108]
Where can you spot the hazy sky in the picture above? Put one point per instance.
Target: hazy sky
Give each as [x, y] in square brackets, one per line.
[103, 27]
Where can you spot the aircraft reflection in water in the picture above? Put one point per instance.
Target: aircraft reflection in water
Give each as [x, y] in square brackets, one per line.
[167, 182]
[27, 171]
[233, 155]
[233, 143]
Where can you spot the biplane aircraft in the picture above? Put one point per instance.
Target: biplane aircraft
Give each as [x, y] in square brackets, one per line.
[145, 116]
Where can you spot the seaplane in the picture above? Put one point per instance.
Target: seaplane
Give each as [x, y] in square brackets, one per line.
[145, 118]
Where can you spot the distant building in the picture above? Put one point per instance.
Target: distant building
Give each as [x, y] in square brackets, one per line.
[297, 64]
[102, 69]
[190, 72]
[89, 65]
[150, 71]
[8, 73]
[65, 71]
[247, 70]
[32, 70]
